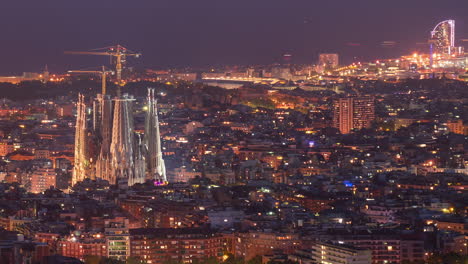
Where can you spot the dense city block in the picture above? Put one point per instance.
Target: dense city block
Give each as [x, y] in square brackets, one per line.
[323, 163]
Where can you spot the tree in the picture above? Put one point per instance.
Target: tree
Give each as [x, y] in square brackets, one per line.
[172, 262]
[288, 261]
[449, 258]
[255, 260]
[134, 260]
[209, 260]
[231, 259]
[106, 260]
[92, 259]
[413, 262]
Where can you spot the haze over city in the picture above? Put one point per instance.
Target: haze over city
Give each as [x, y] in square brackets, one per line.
[234, 132]
[208, 32]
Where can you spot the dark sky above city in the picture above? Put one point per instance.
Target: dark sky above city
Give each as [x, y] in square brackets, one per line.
[177, 33]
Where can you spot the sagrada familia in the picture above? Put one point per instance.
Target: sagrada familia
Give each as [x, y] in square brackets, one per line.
[108, 148]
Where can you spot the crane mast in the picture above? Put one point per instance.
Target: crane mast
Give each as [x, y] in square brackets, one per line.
[118, 52]
[103, 74]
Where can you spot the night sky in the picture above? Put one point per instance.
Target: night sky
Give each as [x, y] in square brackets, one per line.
[177, 33]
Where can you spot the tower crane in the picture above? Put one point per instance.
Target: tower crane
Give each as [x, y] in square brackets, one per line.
[103, 74]
[118, 52]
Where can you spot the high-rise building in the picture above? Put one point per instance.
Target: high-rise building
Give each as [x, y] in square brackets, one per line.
[343, 115]
[281, 72]
[287, 58]
[42, 179]
[353, 113]
[117, 238]
[329, 59]
[64, 110]
[6, 148]
[443, 37]
[455, 126]
[156, 168]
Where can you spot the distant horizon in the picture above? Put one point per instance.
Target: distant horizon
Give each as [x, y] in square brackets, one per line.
[173, 34]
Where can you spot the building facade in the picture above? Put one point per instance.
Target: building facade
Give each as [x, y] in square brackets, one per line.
[181, 245]
[353, 113]
[42, 179]
[336, 253]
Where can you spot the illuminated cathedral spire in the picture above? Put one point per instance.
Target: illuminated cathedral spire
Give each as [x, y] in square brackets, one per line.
[121, 148]
[102, 124]
[123, 157]
[81, 167]
[156, 168]
[140, 164]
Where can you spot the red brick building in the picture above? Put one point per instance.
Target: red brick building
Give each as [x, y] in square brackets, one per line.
[79, 248]
[249, 245]
[43, 179]
[159, 245]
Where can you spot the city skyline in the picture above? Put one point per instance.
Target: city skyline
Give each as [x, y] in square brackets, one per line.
[234, 132]
[218, 33]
